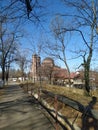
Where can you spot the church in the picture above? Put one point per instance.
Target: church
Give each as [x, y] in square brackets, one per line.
[42, 70]
[48, 71]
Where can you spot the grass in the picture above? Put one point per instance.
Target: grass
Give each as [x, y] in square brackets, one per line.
[73, 93]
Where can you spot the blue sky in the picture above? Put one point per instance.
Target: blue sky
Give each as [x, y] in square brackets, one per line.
[34, 33]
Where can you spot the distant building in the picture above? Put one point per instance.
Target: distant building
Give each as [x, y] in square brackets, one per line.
[42, 70]
[48, 71]
[48, 62]
[35, 67]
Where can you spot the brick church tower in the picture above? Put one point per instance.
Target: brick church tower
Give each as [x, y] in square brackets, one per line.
[35, 67]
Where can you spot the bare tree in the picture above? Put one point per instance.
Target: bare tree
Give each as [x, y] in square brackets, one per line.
[84, 20]
[47, 72]
[7, 46]
[22, 62]
[22, 10]
[59, 47]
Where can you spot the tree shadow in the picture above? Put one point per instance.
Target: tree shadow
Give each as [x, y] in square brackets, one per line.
[89, 123]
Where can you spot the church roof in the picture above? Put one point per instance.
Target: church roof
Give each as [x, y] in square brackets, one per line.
[48, 60]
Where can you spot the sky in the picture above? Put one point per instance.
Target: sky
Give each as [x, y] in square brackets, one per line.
[75, 41]
[35, 33]
[52, 7]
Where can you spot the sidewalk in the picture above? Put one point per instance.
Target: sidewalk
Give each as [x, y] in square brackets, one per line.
[18, 113]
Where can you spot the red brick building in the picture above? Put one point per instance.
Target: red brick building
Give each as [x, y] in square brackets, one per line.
[48, 71]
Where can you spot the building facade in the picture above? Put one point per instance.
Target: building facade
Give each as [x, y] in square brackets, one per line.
[49, 72]
[35, 67]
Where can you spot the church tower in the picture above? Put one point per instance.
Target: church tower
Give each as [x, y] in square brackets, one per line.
[35, 67]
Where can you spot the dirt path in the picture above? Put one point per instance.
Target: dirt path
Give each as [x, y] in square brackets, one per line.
[18, 113]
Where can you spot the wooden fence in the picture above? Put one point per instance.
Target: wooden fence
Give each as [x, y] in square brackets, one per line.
[76, 105]
[85, 110]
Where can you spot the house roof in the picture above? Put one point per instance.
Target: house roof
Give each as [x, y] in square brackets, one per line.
[63, 74]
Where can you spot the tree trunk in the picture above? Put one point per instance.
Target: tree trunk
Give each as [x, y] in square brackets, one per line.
[3, 74]
[86, 77]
